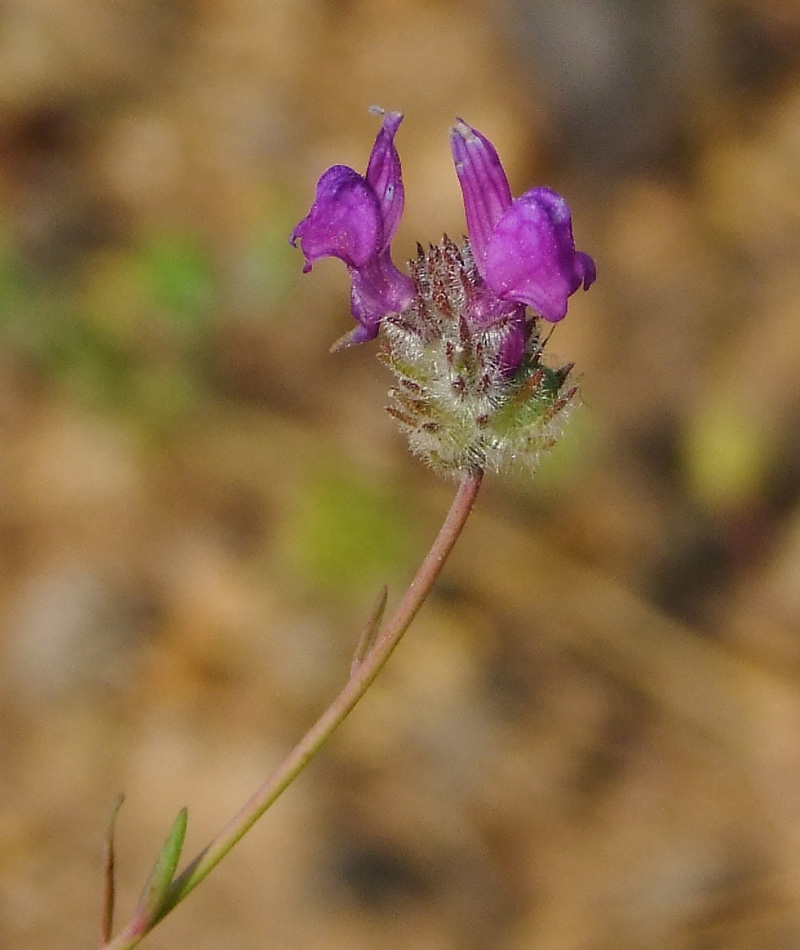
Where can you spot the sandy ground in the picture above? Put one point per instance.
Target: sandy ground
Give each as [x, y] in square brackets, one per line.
[590, 739]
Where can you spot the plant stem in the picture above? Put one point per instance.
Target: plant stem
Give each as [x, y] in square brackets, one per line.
[362, 676]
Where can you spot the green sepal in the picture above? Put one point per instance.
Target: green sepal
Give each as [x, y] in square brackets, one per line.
[528, 405]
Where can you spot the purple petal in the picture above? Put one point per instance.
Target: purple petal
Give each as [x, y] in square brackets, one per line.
[487, 311]
[586, 268]
[515, 335]
[487, 194]
[345, 220]
[379, 288]
[359, 334]
[531, 257]
[385, 175]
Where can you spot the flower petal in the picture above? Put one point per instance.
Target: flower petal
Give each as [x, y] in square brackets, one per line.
[345, 220]
[379, 288]
[385, 175]
[487, 194]
[587, 268]
[531, 257]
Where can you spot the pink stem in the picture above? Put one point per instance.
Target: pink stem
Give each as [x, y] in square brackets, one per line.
[360, 680]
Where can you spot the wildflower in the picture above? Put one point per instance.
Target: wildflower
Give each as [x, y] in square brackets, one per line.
[354, 217]
[523, 248]
[473, 391]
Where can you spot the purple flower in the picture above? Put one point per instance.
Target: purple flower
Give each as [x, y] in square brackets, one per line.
[523, 250]
[473, 391]
[354, 217]
[523, 247]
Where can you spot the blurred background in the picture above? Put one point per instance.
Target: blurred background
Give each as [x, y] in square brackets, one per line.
[590, 739]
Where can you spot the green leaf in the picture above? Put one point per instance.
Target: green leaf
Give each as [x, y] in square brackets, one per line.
[157, 887]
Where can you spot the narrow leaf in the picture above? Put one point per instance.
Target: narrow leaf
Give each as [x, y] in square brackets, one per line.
[370, 633]
[157, 887]
[107, 916]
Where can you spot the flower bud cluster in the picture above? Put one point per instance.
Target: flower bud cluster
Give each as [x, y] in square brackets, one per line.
[455, 399]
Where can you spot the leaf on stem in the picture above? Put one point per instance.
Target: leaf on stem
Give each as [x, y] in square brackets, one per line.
[155, 892]
[367, 638]
[107, 917]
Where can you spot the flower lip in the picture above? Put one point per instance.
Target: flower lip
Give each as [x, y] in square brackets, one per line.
[524, 249]
[344, 221]
[531, 256]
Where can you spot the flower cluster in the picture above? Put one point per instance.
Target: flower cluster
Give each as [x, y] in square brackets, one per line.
[461, 330]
